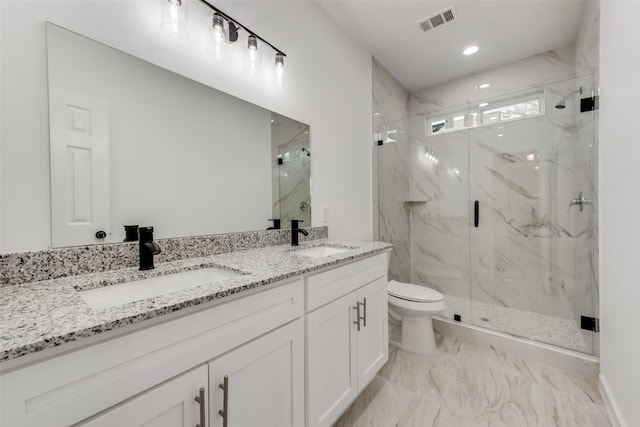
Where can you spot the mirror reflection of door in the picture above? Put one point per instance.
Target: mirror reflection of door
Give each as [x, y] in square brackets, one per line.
[79, 127]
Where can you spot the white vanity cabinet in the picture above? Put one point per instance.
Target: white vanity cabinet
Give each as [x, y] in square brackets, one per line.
[171, 404]
[260, 383]
[246, 361]
[152, 366]
[347, 336]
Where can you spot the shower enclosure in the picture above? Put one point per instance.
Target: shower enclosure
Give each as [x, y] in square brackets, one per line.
[494, 206]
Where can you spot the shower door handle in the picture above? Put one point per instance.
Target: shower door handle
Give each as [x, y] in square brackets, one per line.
[580, 201]
[476, 214]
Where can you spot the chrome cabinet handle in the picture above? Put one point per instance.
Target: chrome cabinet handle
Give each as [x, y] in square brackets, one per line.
[358, 316]
[364, 319]
[224, 412]
[201, 402]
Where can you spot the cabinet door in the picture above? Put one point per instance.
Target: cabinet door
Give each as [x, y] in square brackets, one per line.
[264, 381]
[331, 360]
[373, 337]
[172, 404]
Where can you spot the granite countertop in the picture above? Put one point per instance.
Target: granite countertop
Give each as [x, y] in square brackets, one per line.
[40, 315]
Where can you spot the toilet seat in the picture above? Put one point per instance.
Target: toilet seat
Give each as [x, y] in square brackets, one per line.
[413, 293]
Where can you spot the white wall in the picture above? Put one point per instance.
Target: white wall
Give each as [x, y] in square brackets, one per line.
[620, 207]
[329, 88]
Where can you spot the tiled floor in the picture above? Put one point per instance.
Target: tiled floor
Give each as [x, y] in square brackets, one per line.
[468, 386]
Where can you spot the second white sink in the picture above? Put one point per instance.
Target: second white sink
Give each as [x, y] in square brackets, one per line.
[123, 293]
[320, 251]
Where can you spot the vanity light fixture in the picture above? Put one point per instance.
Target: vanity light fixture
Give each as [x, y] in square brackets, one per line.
[483, 104]
[223, 32]
[431, 155]
[279, 77]
[217, 44]
[174, 18]
[470, 50]
[252, 58]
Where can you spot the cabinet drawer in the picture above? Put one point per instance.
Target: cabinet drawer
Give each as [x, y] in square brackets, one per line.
[71, 387]
[329, 285]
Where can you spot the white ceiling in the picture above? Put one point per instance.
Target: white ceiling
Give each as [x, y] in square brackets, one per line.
[505, 31]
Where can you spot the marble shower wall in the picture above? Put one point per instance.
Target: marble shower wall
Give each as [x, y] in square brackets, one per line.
[528, 73]
[391, 171]
[523, 256]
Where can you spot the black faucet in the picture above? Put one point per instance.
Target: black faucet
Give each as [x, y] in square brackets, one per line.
[276, 224]
[148, 248]
[295, 230]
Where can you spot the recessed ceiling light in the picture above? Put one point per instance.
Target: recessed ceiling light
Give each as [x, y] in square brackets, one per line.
[500, 135]
[531, 157]
[483, 104]
[484, 85]
[470, 50]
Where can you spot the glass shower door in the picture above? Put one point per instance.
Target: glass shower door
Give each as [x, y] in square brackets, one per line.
[531, 258]
[439, 215]
[392, 188]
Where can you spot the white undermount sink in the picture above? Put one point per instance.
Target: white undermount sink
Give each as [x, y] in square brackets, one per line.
[320, 251]
[123, 293]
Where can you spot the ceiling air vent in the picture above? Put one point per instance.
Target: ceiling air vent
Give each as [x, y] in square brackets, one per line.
[446, 15]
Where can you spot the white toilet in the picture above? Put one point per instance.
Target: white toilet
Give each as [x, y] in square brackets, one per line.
[413, 305]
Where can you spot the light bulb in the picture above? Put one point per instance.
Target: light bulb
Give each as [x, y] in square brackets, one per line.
[174, 18]
[252, 57]
[470, 50]
[279, 77]
[217, 45]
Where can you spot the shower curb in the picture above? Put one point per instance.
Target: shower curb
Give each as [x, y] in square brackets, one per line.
[577, 363]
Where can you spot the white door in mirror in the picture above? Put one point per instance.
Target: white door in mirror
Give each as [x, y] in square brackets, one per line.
[79, 167]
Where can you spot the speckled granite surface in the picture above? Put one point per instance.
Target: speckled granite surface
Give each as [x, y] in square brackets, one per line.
[25, 267]
[41, 315]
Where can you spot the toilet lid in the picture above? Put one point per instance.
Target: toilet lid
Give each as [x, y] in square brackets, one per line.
[411, 292]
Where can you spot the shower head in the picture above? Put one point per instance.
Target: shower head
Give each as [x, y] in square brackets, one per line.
[562, 104]
[306, 150]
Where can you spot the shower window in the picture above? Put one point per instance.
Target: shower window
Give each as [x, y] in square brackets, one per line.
[527, 106]
[530, 106]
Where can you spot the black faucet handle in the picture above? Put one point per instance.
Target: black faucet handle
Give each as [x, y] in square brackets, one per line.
[276, 224]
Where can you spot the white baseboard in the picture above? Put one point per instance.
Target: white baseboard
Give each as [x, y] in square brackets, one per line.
[610, 403]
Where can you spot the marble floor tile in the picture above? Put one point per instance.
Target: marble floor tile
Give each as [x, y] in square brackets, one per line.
[572, 410]
[487, 357]
[465, 385]
[381, 404]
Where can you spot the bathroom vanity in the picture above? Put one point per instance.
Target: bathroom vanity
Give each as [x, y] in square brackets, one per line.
[290, 340]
